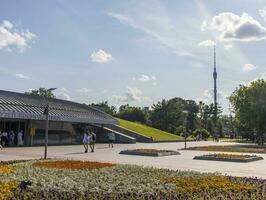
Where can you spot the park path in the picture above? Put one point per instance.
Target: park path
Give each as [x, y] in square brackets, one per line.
[177, 162]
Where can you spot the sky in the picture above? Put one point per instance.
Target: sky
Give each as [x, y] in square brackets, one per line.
[136, 51]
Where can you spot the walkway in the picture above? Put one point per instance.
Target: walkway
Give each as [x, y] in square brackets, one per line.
[178, 162]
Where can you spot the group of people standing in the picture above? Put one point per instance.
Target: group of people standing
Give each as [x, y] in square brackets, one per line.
[10, 139]
[89, 140]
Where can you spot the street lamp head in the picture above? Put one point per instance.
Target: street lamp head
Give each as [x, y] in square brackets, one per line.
[51, 89]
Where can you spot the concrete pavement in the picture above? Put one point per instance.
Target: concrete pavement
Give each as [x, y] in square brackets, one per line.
[177, 162]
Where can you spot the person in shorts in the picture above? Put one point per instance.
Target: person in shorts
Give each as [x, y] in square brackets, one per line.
[86, 141]
[111, 139]
[92, 141]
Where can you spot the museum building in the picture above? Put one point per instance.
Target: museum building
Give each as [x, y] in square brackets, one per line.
[24, 113]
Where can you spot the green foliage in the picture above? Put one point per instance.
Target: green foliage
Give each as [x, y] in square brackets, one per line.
[131, 113]
[180, 129]
[210, 126]
[249, 106]
[104, 106]
[203, 132]
[220, 129]
[167, 115]
[42, 92]
[208, 112]
[156, 134]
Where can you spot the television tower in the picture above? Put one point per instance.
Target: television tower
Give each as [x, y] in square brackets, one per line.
[215, 86]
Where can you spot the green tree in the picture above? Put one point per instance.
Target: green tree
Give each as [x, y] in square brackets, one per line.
[42, 92]
[210, 126]
[105, 107]
[220, 130]
[167, 115]
[249, 105]
[203, 132]
[132, 113]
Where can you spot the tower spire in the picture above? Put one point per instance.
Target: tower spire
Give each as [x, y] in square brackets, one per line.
[215, 84]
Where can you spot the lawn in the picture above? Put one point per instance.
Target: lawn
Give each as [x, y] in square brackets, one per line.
[68, 179]
[148, 131]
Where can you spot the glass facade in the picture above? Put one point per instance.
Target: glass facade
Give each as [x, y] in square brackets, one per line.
[33, 132]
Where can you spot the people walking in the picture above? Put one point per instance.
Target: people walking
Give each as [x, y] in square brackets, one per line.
[11, 138]
[92, 141]
[111, 139]
[20, 138]
[86, 141]
[4, 138]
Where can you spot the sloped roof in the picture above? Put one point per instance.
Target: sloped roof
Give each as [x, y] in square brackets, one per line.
[23, 106]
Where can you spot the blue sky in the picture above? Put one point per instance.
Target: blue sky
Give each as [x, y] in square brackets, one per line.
[135, 52]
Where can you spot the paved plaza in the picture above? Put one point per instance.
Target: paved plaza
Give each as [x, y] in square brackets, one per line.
[177, 162]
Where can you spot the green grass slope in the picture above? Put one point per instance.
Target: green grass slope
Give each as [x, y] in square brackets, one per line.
[148, 131]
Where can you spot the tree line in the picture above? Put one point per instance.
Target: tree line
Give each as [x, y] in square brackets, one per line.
[177, 115]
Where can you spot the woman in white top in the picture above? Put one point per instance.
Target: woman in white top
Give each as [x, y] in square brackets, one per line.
[20, 140]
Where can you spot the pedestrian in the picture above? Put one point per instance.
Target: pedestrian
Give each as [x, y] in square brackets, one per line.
[111, 139]
[1, 147]
[4, 138]
[20, 138]
[11, 138]
[86, 141]
[92, 141]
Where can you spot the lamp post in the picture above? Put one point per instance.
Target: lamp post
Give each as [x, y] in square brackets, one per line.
[46, 113]
[186, 126]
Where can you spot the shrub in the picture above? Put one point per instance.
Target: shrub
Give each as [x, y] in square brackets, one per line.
[204, 133]
[180, 129]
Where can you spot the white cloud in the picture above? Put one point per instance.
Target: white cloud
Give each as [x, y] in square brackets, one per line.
[7, 24]
[248, 67]
[101, 56]
[203, 26]
[159, 28]
[146, 78]
[22, 76]
[64, 96]
[228, 46]
[83, 90]
[208, 95]
[207, 43]
[232, 27]
[262, 13]
[130, 95]
[11, 37]
[64, 89]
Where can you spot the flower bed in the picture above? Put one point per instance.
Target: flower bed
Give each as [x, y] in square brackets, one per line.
[150, 152]
[72, 164]
[7, 189]
[4, 169]
[197, 184]
[235, 148]
[229, 157]
[125, 182]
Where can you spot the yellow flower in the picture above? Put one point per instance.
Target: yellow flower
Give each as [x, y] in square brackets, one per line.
[6, 189]
[4, 169]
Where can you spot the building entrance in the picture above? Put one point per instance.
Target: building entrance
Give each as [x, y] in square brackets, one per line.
[12, 132]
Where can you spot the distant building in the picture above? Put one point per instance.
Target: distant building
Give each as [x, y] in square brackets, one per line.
[68, 120]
